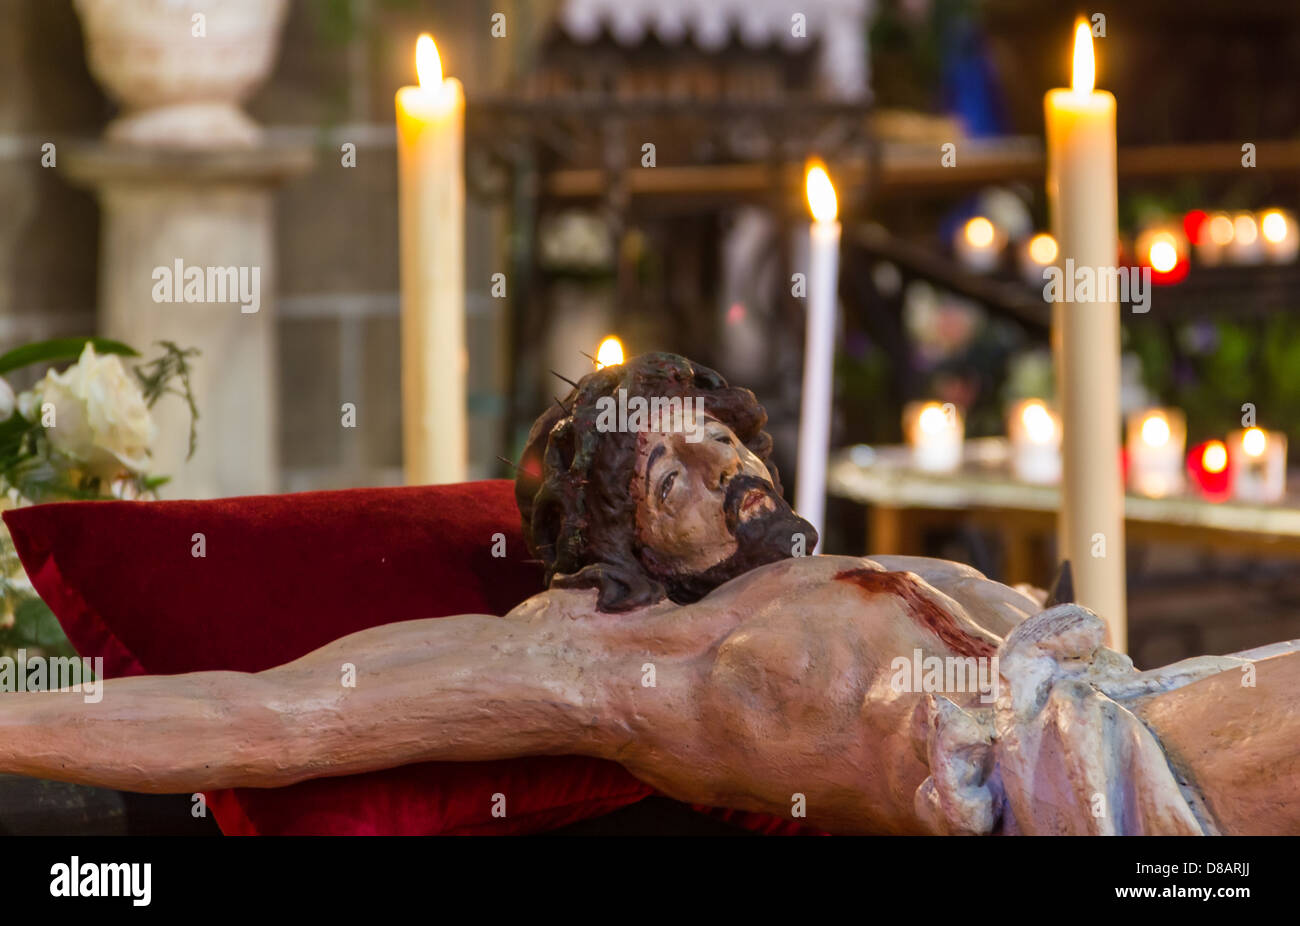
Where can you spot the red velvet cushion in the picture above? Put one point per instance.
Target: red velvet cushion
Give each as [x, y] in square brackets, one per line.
[283, 575]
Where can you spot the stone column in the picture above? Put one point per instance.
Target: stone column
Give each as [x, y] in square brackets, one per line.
[205, 209]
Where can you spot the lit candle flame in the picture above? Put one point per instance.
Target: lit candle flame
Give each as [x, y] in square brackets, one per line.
[933, 419]
[1085, 65]
[980, 232]
[610, 353]
[1042, 249]
[1214, 459]
[1254, 442]
[1221, 230]
[1039, 426]
[821, 195]
[1155, 431]
[1163, 255]
[1244, 229]
[1273, 225]
[428, 65]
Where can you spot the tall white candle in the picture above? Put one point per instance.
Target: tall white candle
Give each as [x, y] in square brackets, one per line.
[1081, 191]
[431, 210]
[819, 350]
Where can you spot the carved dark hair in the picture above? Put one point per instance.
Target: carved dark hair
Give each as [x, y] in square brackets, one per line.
[573, 483]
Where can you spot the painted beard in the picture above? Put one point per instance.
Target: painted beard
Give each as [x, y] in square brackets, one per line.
[764, 526]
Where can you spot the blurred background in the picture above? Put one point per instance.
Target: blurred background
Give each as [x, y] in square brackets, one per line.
[696, 254]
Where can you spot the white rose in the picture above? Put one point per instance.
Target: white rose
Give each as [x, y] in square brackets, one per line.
[100, 418]
[7, 401]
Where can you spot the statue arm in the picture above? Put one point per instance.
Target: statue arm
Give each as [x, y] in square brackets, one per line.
[1232, 735]
[470, 687]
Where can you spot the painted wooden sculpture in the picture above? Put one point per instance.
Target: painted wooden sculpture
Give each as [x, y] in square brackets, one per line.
[891, 695]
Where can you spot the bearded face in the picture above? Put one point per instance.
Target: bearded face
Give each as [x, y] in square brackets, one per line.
[638, 506]
[706, 507]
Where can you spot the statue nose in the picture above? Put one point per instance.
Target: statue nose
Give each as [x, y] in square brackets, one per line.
[729, 467]
[717, 463]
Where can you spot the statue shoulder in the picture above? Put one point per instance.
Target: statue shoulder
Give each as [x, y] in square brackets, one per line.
[994, 607]
[554, 604]
[789, 579]
[574, 604]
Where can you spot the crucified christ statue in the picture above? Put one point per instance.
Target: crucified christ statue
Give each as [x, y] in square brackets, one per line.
[684, 635]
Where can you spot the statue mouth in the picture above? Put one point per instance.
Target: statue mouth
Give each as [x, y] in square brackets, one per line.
[748, 498]
[765, 529]
[754, 503]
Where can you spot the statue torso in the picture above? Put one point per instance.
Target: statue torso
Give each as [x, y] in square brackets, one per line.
[778, 684]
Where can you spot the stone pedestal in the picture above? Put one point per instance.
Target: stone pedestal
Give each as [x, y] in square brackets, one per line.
[205, 209]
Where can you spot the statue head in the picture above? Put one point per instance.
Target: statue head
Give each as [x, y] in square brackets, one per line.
[654, 480]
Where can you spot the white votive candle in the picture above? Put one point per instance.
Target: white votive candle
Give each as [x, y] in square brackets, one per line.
[1278, 231]
[1157, 445]
[935, 432]
[1247, 245]
[978, 245]
[1258, 464]
[1035, 434]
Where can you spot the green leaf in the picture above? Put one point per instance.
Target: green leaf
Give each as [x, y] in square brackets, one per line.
[38, 624]
[59, 349]
[12, 433]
